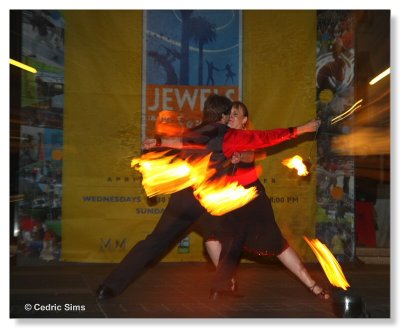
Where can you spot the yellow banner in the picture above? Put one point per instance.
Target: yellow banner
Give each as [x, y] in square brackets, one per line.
[279, 90]
[105, 211]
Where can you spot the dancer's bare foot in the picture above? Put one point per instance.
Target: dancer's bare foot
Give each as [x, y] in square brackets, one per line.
[234, 285]
[319, 292]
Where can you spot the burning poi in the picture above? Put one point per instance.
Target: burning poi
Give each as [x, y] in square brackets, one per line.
[166, 174]
[296, 162]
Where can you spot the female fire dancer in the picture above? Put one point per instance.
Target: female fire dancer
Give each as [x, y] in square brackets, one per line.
[253, 226]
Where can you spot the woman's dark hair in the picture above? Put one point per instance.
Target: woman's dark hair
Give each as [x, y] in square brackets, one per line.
[215, 106]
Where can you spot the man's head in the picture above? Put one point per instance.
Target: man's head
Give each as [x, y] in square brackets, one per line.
[216, 108]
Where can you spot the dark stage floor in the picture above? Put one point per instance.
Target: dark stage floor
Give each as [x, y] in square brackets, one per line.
[180, 290]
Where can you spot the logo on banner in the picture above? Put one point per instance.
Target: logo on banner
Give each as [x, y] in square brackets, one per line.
[109, 244]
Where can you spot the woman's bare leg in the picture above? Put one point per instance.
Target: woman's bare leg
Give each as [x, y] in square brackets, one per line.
[291, 260]
[214, 250]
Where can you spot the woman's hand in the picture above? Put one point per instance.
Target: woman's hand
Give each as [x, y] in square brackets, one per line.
[246, 156]
[235, 157]
[310, 126]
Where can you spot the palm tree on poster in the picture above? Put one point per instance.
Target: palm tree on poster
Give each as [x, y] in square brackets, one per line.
[185, 38]
[203, 32]
[165, 61]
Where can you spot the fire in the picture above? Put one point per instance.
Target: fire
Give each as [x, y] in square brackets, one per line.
[329, 263]
[296, 162]
[168, 124]
[219, 198]
[166, 174]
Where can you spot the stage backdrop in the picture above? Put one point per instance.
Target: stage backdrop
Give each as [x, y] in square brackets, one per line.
[110, 90]
[279, 89]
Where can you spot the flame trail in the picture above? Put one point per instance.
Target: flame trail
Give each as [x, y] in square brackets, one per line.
[166, 174]
[329, 263]
[296, 162]
[347, 113]
[220, 198]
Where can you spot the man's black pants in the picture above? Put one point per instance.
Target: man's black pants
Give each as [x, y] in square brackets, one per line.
[182, 211]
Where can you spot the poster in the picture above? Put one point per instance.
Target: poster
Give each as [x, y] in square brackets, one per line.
[188, 55]
[335, 95]
[38, 214]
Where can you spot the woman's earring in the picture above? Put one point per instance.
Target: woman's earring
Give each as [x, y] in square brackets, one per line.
[243, 126]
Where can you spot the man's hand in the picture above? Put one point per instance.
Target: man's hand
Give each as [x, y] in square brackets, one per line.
[149, 143]
[166, 142]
